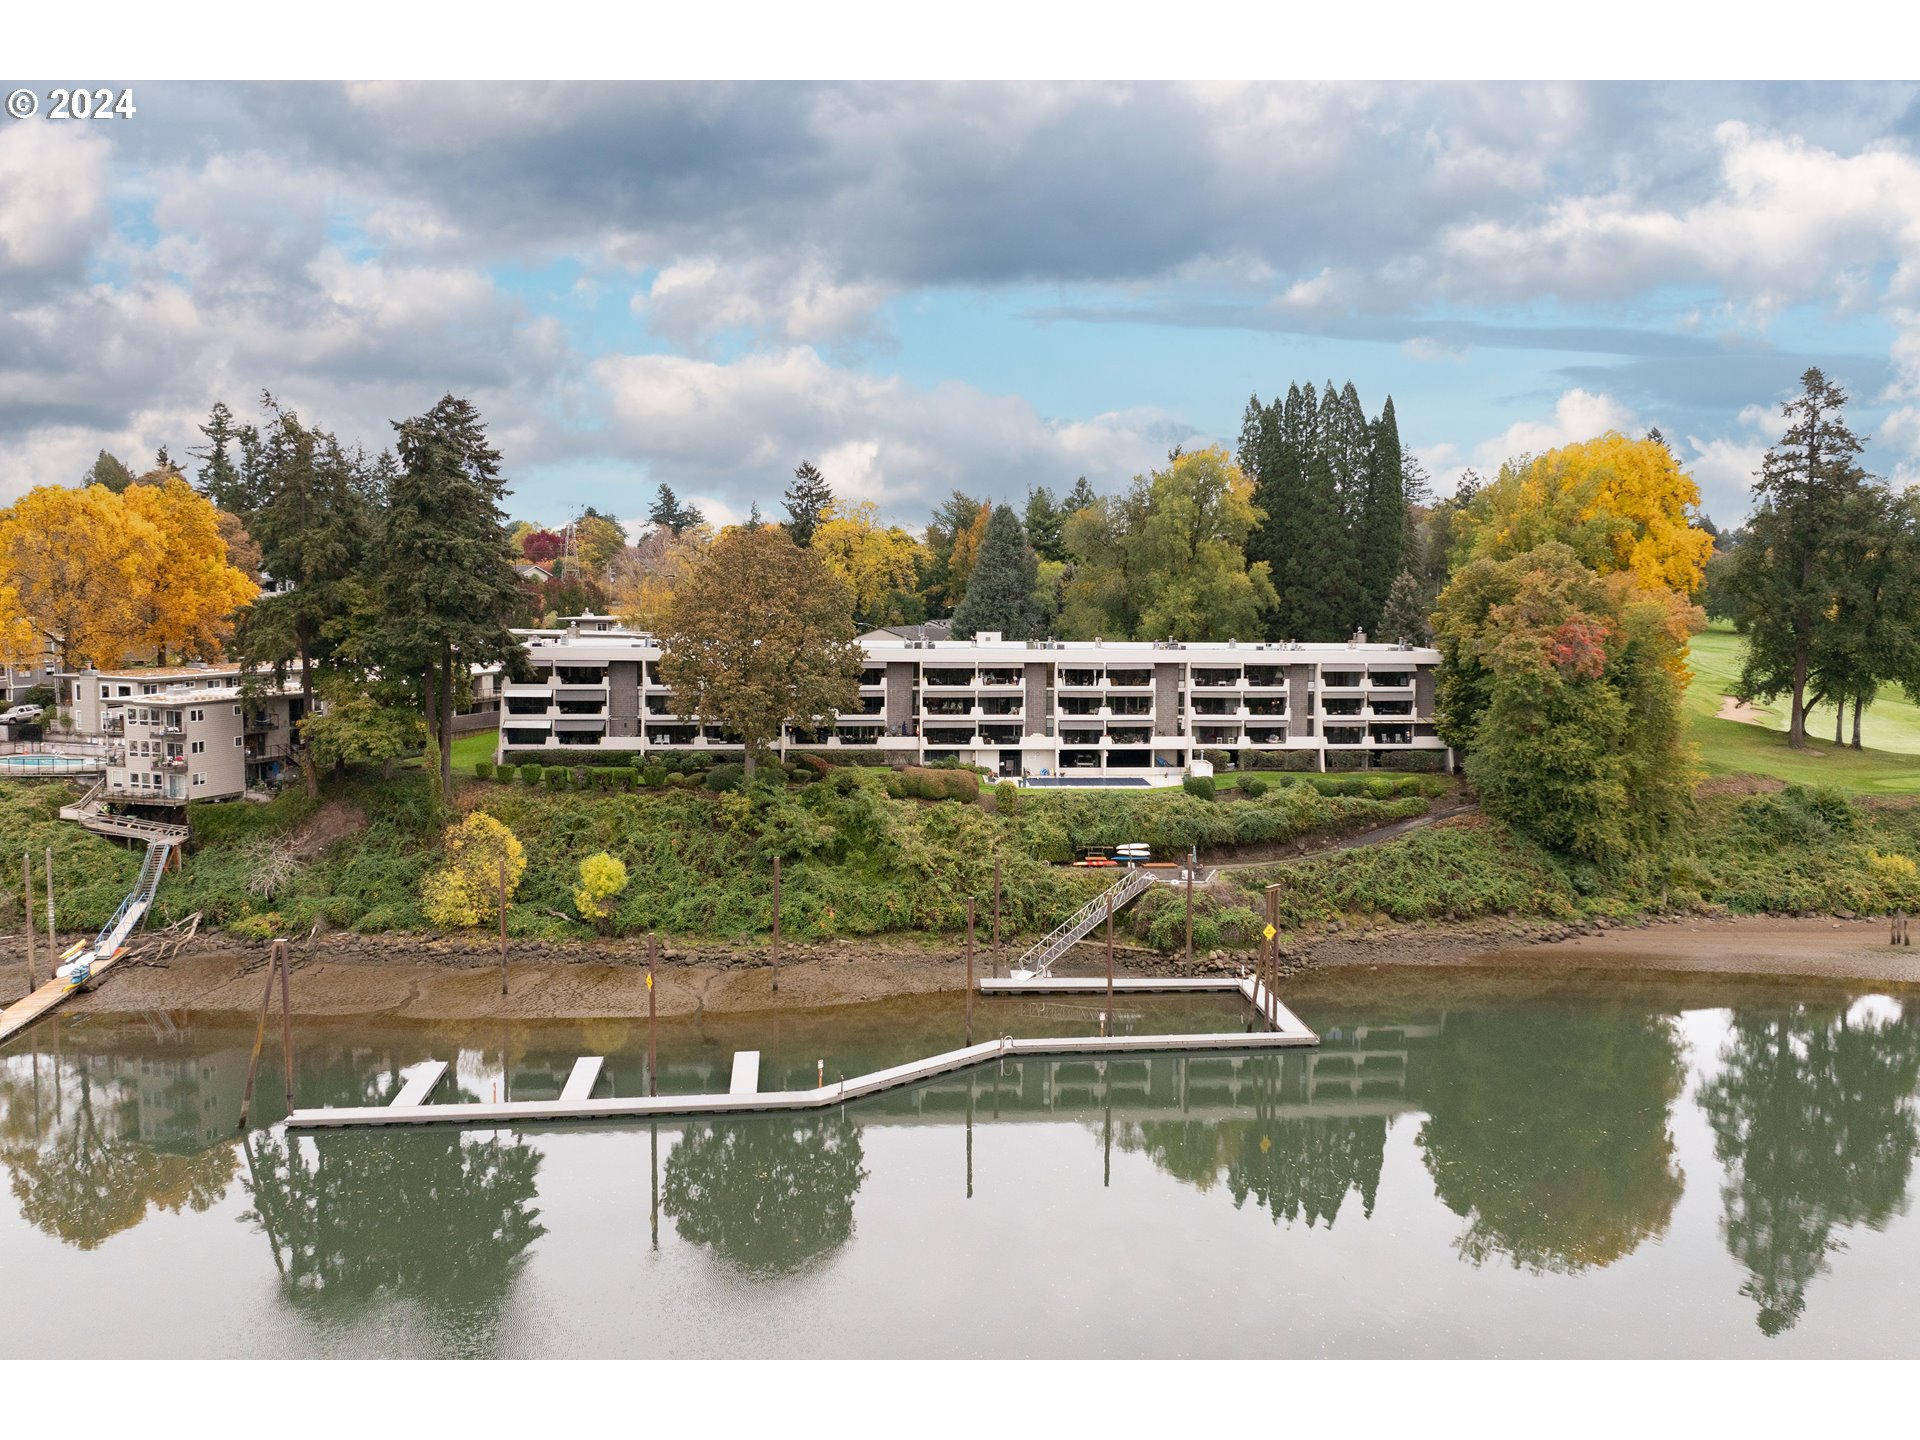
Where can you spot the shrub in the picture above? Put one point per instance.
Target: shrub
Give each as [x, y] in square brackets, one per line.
[817, 764]
[602, 877]
[1424, 761]
[926, 782]
[466, 890]
[1006, 797]
[483, 769]
[678, 781]
[726, 777]
[1346, 759]
[557, 777]
[1201, 787]
[609, 779]
[1280, 760]
[653, 776]
[571, 755]
[530, 773]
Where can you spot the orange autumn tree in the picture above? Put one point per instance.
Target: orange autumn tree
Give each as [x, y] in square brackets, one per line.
[1620, 505]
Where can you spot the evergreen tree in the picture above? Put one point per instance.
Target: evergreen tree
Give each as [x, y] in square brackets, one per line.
[220, 479]
[313, 524]
[807, 502]
[108, 471]
[1383, 517]
[1403, 619]
[952, 519]
[1044, 520]
[1078, 498]
[667, 511]
[1800, 545]
[1001, 585]
[447, 583]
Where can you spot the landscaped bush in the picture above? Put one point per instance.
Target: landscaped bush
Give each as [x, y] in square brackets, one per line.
[1282, 760]
[1346, 759]
[1425, 761]
[557, 777]
[1253, 787]
[570, 755]
[530, 773]
[928, 782]
[483, 769]
[678, 781]
[1006, 797]
[1201, 787]
[726, 777]
[844, 755]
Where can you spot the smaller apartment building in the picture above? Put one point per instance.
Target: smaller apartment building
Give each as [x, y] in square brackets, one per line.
[180, 733]
[1075, 709]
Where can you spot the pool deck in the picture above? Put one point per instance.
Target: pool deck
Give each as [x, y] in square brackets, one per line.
[408, 1108]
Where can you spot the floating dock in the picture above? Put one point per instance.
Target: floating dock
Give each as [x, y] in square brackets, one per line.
[410, 1108]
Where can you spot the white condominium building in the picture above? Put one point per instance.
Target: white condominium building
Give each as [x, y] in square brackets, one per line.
[1060, 708]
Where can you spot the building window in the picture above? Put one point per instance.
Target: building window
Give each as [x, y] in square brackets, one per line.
[236, 709]
[199, 746]
[196, 716]
[106, 692]
[200, 779]
[126, 690]
[238, 741]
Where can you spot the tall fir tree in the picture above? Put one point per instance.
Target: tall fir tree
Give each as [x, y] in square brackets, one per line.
[1044, 521]
[1799, 549]
[1000, 588]
[806, 502]
[667, 511]
[1383, 517]
[448, 585]
[1079, 498]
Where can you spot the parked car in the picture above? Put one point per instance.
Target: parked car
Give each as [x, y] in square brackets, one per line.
[21, 714]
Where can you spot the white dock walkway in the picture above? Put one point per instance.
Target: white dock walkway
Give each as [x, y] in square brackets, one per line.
[746, 1073]
[581, 1079]
[1287, 1032]
[419, 1085]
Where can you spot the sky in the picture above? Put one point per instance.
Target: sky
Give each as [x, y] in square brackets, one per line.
[924, 287]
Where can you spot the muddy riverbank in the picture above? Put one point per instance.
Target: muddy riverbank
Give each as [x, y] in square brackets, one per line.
[440, 979]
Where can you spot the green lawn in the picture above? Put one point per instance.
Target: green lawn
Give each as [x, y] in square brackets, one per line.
[477, 745]
[1890, 729]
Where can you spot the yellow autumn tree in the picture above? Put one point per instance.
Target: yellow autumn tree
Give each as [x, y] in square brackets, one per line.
[466, 890]
[965, 554]
[1619, 504]
[77, 561]
[646, 575]
[875, 561]
[191, 588]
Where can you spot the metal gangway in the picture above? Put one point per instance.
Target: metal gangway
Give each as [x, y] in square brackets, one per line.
[1039, 959]
[105, 948]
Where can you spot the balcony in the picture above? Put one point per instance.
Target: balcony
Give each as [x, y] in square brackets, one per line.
[1001, 679]
[1216, 679]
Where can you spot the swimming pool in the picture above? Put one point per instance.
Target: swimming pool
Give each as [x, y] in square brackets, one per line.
[50, 764]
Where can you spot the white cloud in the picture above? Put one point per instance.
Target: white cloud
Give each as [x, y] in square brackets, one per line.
[801, 303]
[53, 186]
[1577, 415]
[742, 426]
[1428, 350]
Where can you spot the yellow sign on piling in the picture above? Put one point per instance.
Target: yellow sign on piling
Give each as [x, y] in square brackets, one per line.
[1269, 932]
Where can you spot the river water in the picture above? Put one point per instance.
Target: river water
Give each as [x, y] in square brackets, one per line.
[1474, 1163]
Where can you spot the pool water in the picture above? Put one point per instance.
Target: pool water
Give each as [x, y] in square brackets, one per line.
[1471, 1164]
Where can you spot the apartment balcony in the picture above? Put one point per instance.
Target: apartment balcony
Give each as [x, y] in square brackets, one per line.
[934, 735]
[260, 724]
[174, 762]
[1001, 680]
[1215, 680]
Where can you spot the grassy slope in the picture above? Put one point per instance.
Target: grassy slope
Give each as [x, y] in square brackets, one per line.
[1891, 728]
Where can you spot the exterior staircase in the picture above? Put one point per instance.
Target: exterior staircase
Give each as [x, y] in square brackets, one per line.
[1038, 961]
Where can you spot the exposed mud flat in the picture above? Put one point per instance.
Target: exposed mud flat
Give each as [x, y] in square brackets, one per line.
[442, 980]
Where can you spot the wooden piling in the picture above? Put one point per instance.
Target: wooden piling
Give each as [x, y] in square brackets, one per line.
[996, 903]
[1107, 1029]
[1273, 958]
[503, 924]
[776, 924]
[653, 1050]
[53, 936]
[286, 1018]
[26, 913]
[259, 1038]
[969, 970]
[1192, 857]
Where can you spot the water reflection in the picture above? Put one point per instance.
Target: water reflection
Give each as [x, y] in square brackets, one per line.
[436, 1216]
[1549, 1134]
[768, 1195]
[94, 1143]
[1546, 1127]
[1813, 1117]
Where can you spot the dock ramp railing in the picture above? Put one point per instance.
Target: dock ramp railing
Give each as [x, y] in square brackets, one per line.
[1039, 959]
